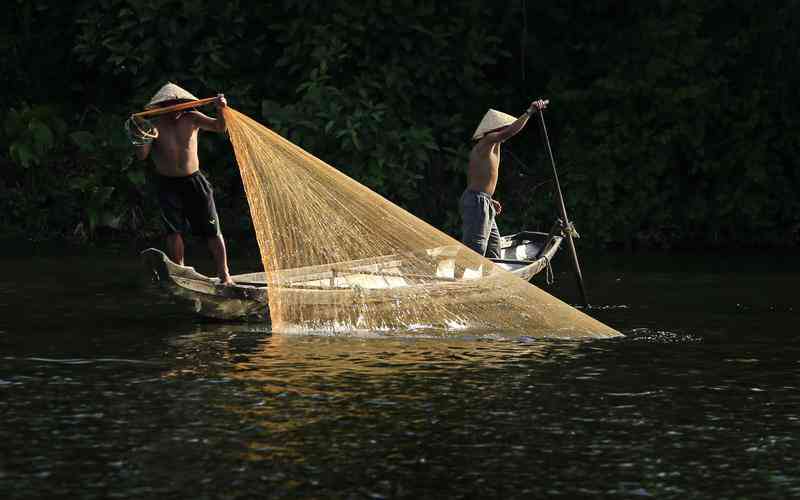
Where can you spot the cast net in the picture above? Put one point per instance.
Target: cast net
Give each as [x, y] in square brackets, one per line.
[338, 257]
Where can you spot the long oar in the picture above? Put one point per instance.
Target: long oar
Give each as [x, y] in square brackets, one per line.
[567, 225]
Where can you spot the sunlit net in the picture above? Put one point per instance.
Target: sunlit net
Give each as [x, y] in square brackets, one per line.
[341, 258]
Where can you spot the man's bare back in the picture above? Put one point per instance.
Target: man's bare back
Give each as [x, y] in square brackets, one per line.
[484, 165]
[484, 159]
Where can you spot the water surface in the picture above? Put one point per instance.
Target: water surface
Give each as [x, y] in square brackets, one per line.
[110, 391]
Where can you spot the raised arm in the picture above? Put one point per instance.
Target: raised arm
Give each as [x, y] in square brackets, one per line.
[507, 133]
[213, 124]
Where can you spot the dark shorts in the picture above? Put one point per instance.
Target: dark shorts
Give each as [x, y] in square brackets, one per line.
[478, 227]
[188, 203]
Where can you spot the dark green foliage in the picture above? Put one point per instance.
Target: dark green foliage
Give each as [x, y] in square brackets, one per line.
[388, 94]
[672, 122]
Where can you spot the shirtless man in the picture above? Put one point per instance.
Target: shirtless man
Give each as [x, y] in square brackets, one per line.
[184, 194]
[478, 209]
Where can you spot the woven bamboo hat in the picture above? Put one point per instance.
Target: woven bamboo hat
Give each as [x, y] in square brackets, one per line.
[170, 92]
[492, 120]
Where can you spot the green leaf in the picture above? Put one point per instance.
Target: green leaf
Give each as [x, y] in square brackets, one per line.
[83, 139]
[22, 154]
[137, 178]
[42, 136]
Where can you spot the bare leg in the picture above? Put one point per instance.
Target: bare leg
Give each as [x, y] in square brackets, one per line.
[217, 247]
[175, 247]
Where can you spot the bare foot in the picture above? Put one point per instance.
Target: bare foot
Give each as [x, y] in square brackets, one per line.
[226, 280]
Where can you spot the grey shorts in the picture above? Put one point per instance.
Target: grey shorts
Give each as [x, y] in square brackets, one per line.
[478, 227]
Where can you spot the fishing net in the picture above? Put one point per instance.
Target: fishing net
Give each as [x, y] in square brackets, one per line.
[140, 130]
[340, 258]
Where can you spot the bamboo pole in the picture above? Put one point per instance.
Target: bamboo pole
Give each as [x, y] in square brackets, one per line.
[176, 107]
[563, 209]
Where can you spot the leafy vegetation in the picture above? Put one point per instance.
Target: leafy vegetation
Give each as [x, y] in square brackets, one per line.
[672, 122]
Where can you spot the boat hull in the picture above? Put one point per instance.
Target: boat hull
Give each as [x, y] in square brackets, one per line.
[524, 254]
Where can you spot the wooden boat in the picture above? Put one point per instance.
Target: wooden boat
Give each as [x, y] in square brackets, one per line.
[524, 254]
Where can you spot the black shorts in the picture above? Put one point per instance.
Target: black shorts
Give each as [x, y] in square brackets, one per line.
[188, 203]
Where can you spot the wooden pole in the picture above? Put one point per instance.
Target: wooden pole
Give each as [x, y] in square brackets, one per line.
[563, 208]
[176, 107]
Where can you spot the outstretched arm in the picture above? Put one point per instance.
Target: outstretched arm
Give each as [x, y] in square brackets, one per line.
[513, 129]
[213, 124]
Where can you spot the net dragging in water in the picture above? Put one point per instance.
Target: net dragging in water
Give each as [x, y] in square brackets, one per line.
[340, 257]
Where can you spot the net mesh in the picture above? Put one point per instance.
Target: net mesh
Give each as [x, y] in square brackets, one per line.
[340, 258]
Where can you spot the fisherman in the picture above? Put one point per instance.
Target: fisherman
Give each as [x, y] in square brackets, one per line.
[478, 208]
[185, 196]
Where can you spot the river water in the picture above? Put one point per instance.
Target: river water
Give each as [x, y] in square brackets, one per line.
[108, 390]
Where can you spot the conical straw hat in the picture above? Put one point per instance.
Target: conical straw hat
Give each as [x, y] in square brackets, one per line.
[492, 120]
[170, 92]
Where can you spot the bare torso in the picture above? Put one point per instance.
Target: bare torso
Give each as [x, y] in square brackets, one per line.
[484, 165]
[174, 152]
